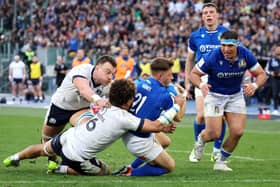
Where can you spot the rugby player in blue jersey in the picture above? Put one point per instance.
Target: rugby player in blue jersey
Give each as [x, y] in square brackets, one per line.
[224, 93]
[152, 97]
[202, 41]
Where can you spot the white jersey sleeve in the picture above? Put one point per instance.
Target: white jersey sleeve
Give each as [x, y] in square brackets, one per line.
[67, 96]
[86, 140]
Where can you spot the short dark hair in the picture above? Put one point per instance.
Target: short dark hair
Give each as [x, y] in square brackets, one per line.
[106, 58]
[161, 64]
[121, 91]
[229, 35]
[210, 5]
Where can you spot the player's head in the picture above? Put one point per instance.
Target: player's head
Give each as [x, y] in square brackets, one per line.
[229, 43]
[161, 70]
[122, 93]
[104, 70]
[210, 15]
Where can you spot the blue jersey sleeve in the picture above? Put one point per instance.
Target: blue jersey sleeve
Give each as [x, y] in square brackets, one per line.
[192, 42]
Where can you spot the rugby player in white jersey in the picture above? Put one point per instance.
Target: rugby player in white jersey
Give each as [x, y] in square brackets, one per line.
[83, 85]
[94, 132]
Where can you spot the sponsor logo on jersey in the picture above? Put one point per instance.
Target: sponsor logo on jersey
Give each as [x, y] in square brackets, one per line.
[226, 75]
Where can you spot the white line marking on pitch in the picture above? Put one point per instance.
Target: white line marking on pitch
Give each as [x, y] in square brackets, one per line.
[238, 157]
[142, 181]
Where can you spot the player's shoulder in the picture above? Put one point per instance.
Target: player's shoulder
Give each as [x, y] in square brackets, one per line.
[222, 28]
[197, 32]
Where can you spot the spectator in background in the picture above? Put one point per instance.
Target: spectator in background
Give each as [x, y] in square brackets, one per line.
[145, 65]
[17, 76]
[73, 44]
[28, 55]
[36, 76]
[81, 58]
[274, 69]
[60, 69]
[125, 64]
[176, 68]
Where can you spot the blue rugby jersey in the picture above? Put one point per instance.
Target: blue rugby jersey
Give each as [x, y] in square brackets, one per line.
[203, 41]
[150, 100]
[226, 77]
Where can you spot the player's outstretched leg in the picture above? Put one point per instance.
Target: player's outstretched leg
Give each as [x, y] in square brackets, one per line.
[12, 161]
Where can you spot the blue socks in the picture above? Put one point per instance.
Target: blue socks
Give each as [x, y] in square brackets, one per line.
[218, 142]
[224, 155]
[197, 129]
[148, 170]
[136, 163]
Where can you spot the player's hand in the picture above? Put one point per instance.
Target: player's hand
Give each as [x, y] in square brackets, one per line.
[179, 99]
[170, 128]
[205, 88]
[249, 89]
[187, 92]
[103, 102]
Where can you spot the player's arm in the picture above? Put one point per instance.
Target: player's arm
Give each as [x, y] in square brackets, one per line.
[10, 73]
[196, 75]
[182, 92]
[163, 123]
[157, 126]
[24, 73]
[82, 84]
[260, 75]
[188, 67]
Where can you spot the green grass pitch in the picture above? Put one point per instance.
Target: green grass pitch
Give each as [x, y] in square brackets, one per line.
[255, 162]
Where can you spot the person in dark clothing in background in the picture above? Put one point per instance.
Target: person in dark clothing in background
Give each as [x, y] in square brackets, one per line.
[274, 69]
[60, 69]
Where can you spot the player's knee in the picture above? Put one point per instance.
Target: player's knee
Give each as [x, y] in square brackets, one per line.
[238, 133]
[166, 142]
[45, 138]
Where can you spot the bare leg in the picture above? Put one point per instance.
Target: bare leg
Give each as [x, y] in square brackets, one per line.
[236, 123]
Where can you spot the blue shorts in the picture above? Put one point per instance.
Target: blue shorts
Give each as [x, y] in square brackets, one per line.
[58, 117]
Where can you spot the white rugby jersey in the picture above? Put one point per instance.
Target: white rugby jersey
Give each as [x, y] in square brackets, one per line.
[84, 141]
[67, 95]
[17, 69]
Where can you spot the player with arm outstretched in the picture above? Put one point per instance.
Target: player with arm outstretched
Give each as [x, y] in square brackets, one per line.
[78, 146]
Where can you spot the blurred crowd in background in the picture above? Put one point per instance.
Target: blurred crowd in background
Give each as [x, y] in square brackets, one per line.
[148, 28]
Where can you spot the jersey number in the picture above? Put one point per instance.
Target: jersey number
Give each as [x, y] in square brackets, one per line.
[139, 100]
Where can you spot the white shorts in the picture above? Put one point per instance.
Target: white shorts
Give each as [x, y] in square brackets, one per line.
[197, 91]
[146, 149]
[216, 104]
